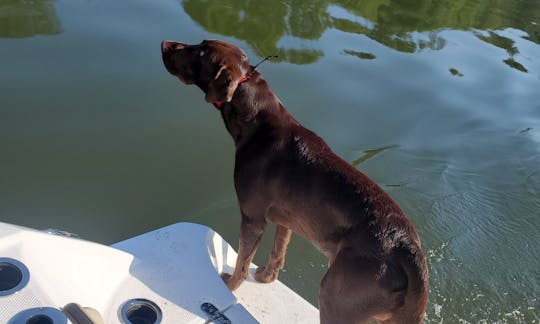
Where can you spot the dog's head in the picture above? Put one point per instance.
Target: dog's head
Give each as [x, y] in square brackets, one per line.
[215, 66]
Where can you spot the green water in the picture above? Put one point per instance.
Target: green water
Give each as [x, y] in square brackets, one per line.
[438, 101]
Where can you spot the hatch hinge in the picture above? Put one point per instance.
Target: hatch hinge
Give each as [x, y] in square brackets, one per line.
[214, 315]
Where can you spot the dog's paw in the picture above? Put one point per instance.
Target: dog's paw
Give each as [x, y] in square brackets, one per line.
[225, 276]
[230, 281]
[264, 275]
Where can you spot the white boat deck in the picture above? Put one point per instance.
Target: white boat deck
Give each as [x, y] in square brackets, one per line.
[176, 268]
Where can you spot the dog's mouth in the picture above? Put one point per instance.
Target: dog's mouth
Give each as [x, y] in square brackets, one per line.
[181, 78]
[172, 69]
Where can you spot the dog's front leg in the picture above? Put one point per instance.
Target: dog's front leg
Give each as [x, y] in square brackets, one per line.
[251, 231]
[276, 261]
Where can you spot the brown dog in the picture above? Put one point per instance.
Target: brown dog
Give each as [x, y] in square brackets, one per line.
[286, 174]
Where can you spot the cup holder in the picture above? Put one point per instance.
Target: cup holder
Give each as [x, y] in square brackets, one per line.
[140, 311]
[40, 315]
[13, 276]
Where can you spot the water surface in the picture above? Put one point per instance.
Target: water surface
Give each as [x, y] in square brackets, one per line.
[437, 101]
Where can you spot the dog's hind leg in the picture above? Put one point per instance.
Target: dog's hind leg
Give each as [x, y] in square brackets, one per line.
[352, 291]
[276, 261]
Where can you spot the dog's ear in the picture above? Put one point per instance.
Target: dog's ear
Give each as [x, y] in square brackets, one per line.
[221, 88]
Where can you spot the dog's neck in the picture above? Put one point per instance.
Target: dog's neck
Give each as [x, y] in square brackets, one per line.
[219, 103]
[253, 102]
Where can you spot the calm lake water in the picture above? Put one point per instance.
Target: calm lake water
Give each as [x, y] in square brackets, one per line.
[438, 101]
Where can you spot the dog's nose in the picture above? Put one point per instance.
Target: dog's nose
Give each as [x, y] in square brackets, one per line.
[167, 46]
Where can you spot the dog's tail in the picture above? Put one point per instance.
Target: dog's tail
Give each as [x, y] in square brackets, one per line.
[413, 263]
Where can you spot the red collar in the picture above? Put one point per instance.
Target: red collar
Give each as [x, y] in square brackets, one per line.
[219, 103]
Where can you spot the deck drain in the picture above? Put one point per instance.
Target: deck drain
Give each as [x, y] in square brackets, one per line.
[13, 276]
[39, 315]
[40, 319]
[140, 311]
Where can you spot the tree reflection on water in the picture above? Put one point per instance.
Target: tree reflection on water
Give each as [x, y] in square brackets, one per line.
[20, 19]
[268, 26]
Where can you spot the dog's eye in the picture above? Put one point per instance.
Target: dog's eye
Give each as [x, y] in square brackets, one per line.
[202, 53]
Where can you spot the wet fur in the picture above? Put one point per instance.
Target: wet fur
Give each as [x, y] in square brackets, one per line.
[286, 174]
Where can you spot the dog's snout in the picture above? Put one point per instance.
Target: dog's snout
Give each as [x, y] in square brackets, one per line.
[167, 46]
